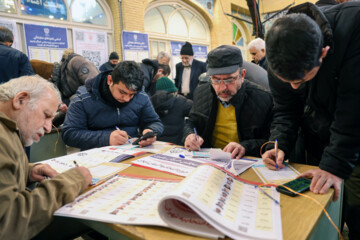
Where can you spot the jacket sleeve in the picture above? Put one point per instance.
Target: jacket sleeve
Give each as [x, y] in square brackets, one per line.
[25, 66]
[75, 130]
[149, 118]
[32, 211]
[187, 107]
[261, 134]
[288, 111]
[342, 153]
[177, 76]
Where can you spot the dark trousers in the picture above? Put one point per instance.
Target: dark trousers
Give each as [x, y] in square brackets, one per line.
[351, 207]
[62, 228]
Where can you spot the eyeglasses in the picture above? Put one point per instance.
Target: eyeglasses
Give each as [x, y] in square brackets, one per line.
[225, 81]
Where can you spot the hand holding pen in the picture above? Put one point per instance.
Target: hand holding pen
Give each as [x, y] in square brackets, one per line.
[193, 141]
[274, 158]
[118, 137]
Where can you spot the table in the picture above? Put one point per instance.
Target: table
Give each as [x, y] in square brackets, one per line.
[301, 217]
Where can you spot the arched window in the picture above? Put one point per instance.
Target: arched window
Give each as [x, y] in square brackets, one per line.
[53, 9]
[176, 21]
[239, 38]
[87, 11]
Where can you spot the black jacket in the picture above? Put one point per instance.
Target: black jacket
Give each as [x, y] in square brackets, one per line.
[106, 67]
[253, 109]
[172, 110]
[331, 119]
[197, 68]
[149, 68]
[14, 64]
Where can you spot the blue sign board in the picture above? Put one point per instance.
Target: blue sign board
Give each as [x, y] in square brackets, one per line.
[45, 36]
[135, 41]
[199, 50]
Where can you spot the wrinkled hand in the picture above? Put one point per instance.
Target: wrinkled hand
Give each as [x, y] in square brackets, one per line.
[40, 171]
[87, 175]
[147, 141]
[118, 137]
[322, 181]
[269, 159]
[236, 150]
[192, 144]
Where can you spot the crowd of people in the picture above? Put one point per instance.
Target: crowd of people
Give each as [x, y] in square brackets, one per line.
[302, 89]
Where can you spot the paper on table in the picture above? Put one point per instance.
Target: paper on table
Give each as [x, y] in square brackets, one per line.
[280, 176]
[104, 171]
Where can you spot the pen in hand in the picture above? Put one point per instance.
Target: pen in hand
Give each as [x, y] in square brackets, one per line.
[117, 128]
[196, 135]
[76, 164]
[276, 153]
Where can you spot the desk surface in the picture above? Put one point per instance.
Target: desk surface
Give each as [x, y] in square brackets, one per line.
[299, 215]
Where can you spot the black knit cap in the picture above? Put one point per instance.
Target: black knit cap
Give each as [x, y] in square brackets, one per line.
[225, 59]
[187, 49]
[113, 55]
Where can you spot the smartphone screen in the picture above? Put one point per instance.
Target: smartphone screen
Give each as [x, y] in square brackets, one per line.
[299, 185]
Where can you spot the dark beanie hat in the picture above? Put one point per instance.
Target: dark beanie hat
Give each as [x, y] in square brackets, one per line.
[187, 49]
[165, 84]
[113, 55]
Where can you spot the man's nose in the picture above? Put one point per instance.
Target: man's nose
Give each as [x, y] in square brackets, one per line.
[48, 126]
[295, 85]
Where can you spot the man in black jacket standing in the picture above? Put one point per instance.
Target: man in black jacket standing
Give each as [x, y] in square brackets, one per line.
[14, 63]
[314, 77]
[188, 71]
[229, 112]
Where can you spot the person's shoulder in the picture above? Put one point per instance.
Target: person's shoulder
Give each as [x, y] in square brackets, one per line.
[256, 88]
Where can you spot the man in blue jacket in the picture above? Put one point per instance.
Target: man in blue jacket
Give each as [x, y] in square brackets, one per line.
[14, 63]
[111, 108]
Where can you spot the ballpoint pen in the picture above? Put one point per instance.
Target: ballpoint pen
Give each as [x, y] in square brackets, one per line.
[117, 128]
[276, 153]
[76, 164]
[266, 194]
[196, 135]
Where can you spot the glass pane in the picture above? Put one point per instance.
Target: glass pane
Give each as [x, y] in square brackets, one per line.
[87, 11]
[162, 46]
[188, 15]
[177, 25]
[53, 9]
[7, 6]
[166, 10]
[197, 29]
[154, 22]
[154, 49]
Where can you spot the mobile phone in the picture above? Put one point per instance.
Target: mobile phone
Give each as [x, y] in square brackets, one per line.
[299, 185]
[145, 136]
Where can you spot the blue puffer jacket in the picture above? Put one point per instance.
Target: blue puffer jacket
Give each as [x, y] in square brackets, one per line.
[89, 120]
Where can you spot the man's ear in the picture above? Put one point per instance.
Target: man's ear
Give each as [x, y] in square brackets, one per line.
[109, 80]
[324, 52]
[242, 73]
[20, 100]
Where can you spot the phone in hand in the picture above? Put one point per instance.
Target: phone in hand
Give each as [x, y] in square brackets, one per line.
[299, 185]
[145, 136]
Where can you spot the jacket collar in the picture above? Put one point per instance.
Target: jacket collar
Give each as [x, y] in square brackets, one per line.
[8, 122]
[315, 13]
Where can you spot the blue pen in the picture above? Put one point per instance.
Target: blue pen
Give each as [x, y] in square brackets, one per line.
[116, 127]
[196, 135]
[276, 153]
[182, 156]
[266, 194]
